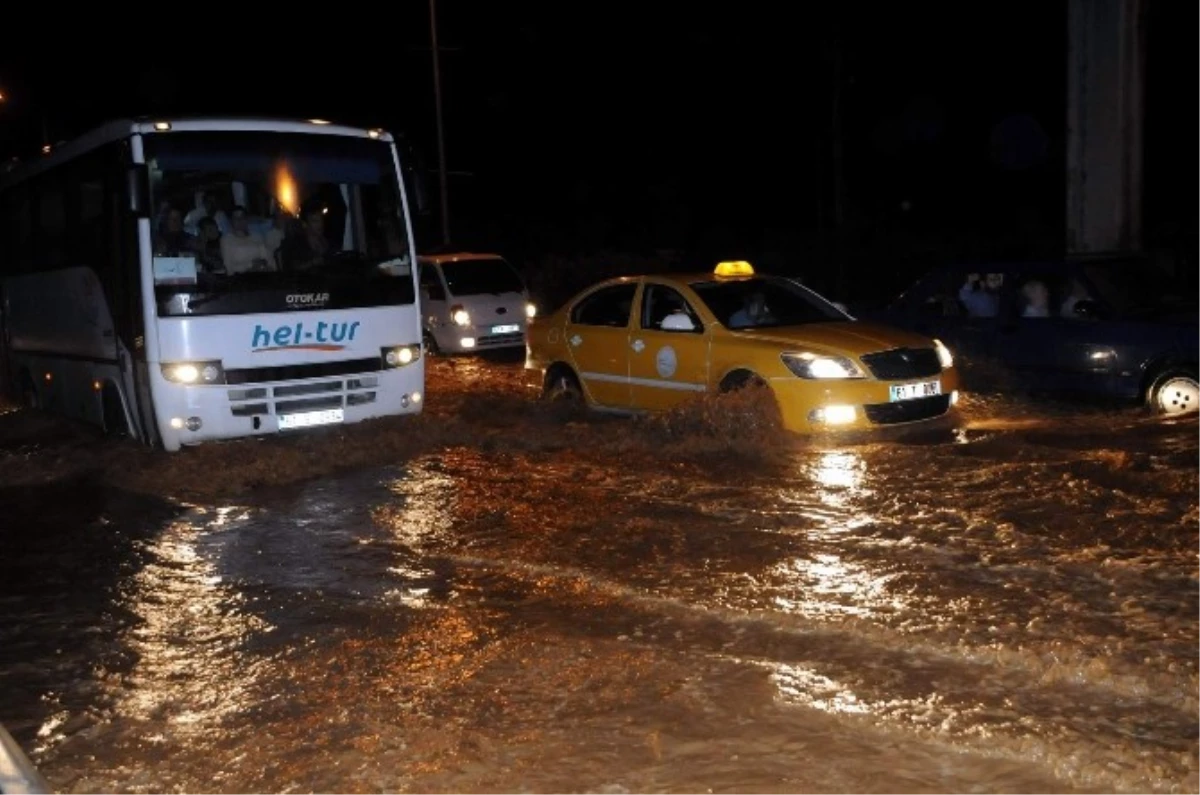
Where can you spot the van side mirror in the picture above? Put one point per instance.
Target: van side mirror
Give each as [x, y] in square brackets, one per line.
[137, 190]
[1087, 309]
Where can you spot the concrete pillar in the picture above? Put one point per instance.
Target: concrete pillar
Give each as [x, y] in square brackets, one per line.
[1105, 112]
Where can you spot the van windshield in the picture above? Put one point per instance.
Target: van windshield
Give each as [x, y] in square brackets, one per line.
[481, 277]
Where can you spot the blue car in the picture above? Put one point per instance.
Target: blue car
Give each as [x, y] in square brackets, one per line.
[1114, 328]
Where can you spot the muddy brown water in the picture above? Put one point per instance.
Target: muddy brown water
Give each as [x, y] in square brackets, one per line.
[507, 596]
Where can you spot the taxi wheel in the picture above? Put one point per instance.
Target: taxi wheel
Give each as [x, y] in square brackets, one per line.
[740, 379]
[561, 384]
[1174, 392]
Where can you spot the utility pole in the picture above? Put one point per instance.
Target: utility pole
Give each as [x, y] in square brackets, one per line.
[1106, 117]
[836, 166]
[441, 142]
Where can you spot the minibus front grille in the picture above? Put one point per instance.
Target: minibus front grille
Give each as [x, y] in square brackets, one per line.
[288, 398]
[298, 372]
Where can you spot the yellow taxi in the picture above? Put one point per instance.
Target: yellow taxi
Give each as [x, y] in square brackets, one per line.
[648, 343]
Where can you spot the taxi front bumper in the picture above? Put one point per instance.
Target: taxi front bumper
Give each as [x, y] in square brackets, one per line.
[812, 406]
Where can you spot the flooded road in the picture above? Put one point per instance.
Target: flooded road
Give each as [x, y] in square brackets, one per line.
[506, 596]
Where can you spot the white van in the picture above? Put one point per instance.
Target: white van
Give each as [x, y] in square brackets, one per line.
[472, 302]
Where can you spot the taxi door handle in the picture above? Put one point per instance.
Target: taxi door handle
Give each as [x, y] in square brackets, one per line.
[638, 346]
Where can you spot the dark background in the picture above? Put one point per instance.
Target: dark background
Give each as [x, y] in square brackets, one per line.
[855, 144]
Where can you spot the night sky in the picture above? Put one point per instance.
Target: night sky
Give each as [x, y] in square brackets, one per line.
[576, 127]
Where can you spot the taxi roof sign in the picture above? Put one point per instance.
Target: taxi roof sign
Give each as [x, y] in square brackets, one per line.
[734, 268]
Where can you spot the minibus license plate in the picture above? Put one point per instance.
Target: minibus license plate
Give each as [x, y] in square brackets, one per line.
[308, 419]
[910, 391]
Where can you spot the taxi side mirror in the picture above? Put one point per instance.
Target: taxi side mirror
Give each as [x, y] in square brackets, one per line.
[677, 321]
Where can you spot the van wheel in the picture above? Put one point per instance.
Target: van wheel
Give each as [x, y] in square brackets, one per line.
[115, 426]
[431, 346]
[1174, 392]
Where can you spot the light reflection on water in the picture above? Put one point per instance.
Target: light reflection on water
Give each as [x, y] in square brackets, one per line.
[417, 520]
[826, 585]
[835, 472]
[805, 686]
[1007, 610]
[825, 582]
[191, 670]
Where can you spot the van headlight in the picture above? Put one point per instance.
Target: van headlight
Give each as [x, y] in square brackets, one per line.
[944, 355]
[400, 355]
[210, 372]
[530, 310]
[460, 315]
[821, 366]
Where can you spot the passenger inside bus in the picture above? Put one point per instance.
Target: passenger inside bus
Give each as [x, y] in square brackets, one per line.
[173, 239]
[208, 248]
[243, 250]
[207, 207]
[308, 246]
[280, 223]
[267, 230]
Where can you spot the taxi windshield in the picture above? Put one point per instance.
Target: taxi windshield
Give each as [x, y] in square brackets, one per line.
[764, 302]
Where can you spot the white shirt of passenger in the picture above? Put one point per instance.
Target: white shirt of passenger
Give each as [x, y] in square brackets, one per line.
[191, 221]
[238, 252]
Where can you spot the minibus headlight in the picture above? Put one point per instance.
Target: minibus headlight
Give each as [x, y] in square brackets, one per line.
[199, 373]
[400, 355]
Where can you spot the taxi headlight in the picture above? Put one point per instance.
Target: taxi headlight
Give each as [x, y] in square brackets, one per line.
[194, 372]
[944, 355]
[821, 366]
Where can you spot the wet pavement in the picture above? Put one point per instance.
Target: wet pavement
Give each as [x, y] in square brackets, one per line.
[509, 596]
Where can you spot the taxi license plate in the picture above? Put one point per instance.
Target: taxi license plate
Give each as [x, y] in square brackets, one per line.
[508, 329]
[911, 391]
[309, 419]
